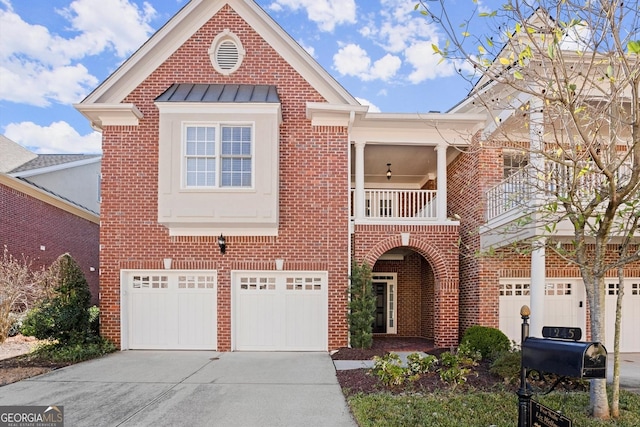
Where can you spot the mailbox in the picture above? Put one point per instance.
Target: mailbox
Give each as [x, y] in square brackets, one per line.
[564, 357]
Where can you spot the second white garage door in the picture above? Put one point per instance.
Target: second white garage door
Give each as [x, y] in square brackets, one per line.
[280, 311]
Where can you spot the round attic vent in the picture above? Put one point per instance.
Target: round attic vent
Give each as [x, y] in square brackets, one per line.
[226, 52]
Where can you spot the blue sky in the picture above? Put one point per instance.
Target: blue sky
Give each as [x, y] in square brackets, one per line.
[55, 52]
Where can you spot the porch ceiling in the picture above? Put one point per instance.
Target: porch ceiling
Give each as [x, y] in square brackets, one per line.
[411, 165]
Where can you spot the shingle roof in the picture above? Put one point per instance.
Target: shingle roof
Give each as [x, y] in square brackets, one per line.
[47, 160]
[187, 92]
[58, 195]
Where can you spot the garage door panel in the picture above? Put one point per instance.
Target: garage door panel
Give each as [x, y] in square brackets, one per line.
[629, 329]
[255, 332]
[280, 311]
[195, 314]
[171, 309]
[304, 322]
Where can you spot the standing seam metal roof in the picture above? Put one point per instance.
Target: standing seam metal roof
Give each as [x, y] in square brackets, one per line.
[189, 92]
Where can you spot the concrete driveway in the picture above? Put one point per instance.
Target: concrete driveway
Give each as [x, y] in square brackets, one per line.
[194, 388]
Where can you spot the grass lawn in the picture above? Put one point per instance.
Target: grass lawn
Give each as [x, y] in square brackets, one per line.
[471, 408]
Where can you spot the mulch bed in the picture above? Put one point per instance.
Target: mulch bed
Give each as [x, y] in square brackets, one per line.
[25, 366]
[355, 381]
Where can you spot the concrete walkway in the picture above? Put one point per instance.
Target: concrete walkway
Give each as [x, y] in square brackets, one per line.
[191, 388]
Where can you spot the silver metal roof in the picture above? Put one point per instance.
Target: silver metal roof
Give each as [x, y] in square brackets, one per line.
[188, 92]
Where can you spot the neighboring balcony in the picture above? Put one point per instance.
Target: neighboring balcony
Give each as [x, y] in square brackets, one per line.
[515, 207]
[397, 205]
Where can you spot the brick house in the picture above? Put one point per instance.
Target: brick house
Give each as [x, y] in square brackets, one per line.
[40, 214]
[240, 179]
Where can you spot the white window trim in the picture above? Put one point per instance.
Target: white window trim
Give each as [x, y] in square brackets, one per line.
[218, 155]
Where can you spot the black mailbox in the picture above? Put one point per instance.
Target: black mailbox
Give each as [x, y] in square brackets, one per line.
[564, 357]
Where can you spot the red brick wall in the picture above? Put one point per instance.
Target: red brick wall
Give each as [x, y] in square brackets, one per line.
[27, 223]
[313, 228]
[437, 244]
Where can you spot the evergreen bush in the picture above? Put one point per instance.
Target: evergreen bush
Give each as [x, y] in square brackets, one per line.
[488, 341]
[63, 316]
[362, 306]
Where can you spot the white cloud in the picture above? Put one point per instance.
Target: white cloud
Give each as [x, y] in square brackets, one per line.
[426, 63]
[372, 107]
[327, 14]
[310, 49]
[353, 60]
[57, 138]
[38, 67]
[118, 24]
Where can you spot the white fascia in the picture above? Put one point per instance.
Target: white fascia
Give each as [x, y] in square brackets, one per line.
[101, 115]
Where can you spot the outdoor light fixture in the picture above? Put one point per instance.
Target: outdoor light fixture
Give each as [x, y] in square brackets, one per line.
[388, 170]
[222, 243]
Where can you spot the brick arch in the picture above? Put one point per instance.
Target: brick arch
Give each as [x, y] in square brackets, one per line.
[442, 273]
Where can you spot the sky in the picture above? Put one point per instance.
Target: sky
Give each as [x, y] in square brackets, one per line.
[53, 53]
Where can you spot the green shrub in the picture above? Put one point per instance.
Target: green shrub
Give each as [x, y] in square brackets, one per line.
[94, 320]
[456, 366]
[74, 352]
[389, 370]
[63, 316]
[488, 341]
[419, 364]
[362, 306]
[507, 366]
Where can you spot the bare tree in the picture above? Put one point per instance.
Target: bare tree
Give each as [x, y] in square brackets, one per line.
[561, 82]
[20, 288]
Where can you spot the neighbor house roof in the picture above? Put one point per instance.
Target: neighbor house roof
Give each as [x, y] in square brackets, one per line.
[48, 161]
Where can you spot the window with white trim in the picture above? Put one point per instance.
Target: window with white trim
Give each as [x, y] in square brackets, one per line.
[218, 156]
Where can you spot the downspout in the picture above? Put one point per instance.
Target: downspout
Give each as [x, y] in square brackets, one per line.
[352, 118]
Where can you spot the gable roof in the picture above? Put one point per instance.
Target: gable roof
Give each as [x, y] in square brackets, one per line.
[176, 32]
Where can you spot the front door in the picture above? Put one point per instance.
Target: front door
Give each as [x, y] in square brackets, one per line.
[380, 322]
[384, 288]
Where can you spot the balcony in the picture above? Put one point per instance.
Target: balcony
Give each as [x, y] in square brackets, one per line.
[397, 205]
[515, 207]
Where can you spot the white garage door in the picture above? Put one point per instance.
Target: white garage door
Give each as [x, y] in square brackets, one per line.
[562, 308]
[563, 305]
[630, 324]
[172, 310]
[280, 311]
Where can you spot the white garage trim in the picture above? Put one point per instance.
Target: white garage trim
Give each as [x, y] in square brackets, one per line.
[279, 310]
[169, 309]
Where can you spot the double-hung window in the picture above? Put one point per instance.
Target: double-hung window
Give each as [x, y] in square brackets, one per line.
[218, 156]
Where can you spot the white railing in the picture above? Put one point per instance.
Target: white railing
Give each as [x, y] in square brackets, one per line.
[512, 193]
[398, 204]
[518, 190]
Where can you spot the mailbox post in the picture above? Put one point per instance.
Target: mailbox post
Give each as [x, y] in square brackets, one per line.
[524, 394]
[564, 357]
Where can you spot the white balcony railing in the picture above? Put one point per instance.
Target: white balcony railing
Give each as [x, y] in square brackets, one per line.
[518, 190]
[398, 204]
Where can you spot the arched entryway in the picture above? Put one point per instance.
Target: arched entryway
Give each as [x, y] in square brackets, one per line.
[416, 283]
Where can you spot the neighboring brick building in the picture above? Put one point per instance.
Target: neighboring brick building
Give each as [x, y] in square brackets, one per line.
[240, 180]
[41, 226]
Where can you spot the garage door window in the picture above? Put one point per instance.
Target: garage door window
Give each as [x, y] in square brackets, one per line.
[258, 283]
[304, 284]
[196, 282]
[150, 282]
